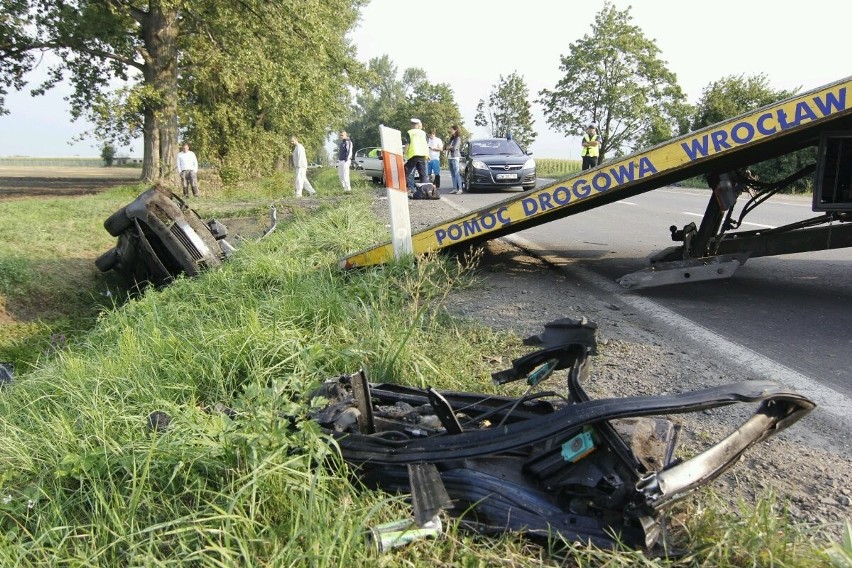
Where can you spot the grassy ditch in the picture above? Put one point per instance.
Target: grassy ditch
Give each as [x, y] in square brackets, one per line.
[50, 291]
[84, 480]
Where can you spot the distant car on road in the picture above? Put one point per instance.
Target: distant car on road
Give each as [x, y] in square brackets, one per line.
[368, 161]
[497, 162]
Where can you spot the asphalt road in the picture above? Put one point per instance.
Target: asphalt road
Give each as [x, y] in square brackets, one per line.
[794, 310]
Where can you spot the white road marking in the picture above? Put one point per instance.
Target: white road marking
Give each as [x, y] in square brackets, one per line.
[627, 203]
[835, 403]
[682, 192]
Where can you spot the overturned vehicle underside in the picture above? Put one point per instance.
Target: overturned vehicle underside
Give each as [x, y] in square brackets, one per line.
[159, 237]
[547, 464]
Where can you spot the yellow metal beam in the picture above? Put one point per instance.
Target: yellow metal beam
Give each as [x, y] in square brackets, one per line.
[771, 129]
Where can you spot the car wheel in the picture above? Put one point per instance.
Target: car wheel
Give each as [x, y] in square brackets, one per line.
[108, 260]
[118, 222]
[377, 180]
[466, 182]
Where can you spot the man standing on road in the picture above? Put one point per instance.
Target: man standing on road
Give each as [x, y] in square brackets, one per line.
[415, 155]
[344, 160]
[300, 164]
[436, 146]
[591, 147]
[187, 165]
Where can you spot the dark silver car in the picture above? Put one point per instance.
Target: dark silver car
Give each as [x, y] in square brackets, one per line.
[160, 237]
[497, 162]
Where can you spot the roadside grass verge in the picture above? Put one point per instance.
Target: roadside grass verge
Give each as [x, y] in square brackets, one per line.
[83, 478]
[84, 481]
[50, 290]
[556, 168]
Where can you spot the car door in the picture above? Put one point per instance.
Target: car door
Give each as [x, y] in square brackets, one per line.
[358, 159]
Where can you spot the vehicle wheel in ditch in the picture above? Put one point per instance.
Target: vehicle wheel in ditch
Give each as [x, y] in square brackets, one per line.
[118, 222]
[108, 260]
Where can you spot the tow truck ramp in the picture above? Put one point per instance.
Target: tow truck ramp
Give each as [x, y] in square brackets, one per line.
[819, 118]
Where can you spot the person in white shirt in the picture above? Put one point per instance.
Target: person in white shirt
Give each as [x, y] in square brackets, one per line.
[436, 146]
[187, 165]
[300, 164]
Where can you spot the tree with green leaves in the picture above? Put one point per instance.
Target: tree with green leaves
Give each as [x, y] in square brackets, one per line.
[108, 154]
[282, 71]
[614, 78]
[377, 102]
[229, 62]
[508, 110]
[386, 98]
[734, 95]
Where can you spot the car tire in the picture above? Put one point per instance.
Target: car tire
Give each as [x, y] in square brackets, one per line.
[118, 222]
[466, 182]
[108, 260]
[377, 180]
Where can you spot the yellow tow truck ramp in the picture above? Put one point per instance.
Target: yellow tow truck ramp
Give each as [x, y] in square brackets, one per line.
[821, 117]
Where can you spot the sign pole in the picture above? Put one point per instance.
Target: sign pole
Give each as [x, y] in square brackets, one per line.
[397, 191]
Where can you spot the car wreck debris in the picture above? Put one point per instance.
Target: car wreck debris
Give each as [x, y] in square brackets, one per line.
[546, 464]
[399, 533]
[160, 237]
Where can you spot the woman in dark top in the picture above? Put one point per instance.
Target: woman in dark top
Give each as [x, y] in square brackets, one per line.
[453, 157]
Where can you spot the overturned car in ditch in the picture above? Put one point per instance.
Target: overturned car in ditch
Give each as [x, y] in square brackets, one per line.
[549, 464]
[160, 237]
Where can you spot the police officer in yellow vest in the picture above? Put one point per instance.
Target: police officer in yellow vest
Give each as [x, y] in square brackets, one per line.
[416, 154]
[591, 147]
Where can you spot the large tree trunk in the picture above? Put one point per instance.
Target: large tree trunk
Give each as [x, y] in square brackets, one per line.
[150, 148]
[163, 48]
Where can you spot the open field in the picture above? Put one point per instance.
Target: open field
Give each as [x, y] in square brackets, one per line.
[50, 181]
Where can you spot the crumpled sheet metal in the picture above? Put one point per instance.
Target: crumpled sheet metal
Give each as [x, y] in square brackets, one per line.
[546, 464]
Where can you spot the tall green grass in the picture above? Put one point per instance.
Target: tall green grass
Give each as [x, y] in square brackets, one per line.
[85, 482]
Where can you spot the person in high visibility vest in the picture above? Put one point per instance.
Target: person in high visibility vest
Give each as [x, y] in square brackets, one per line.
[416, 154]
[591, 147]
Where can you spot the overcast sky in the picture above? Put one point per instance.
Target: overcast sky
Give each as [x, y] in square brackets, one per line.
[470, 43]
